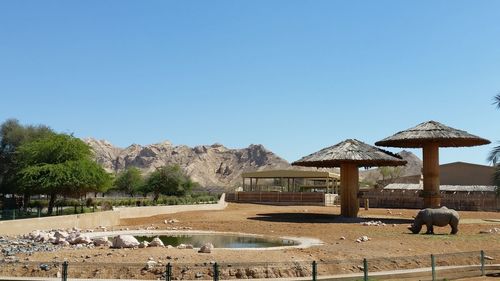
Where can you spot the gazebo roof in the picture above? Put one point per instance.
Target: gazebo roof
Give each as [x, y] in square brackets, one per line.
[432, 132]
[270, 174]
[350, 151]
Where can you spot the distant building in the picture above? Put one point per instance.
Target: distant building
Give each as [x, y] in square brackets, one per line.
[461, 173]
[463, 186]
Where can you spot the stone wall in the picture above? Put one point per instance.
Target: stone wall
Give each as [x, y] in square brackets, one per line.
[410, 199]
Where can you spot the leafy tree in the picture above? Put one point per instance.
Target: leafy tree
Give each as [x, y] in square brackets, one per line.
[59, 164]
[129, 181]
[494, 156]
[390, 172]
[12, 136]
[168, 180]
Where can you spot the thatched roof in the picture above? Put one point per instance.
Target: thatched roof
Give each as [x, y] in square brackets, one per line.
[432, 132]
[350, 151]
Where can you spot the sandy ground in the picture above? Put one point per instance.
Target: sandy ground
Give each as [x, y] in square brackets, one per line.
[335, 256]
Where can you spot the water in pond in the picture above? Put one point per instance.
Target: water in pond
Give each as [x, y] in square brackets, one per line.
[219, 241]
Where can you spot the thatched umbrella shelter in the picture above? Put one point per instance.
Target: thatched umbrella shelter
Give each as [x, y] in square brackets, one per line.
[430, 136]
[349, 155]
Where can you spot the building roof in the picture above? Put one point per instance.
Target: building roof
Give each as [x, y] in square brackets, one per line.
[350, 151]
[432, 132]
[460, 163]
[271, 174]
[463, 188]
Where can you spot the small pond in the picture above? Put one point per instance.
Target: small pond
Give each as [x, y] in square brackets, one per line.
[219, 240]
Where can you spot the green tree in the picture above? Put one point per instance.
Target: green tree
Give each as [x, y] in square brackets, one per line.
[12, 136]
[390, 172]
[494, 156]
[59, 164]
[168, 180]
[129, 181]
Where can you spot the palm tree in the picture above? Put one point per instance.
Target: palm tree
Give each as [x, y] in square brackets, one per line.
[494, 156]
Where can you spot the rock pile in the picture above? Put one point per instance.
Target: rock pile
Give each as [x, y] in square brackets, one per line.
[373, 223]
[494, 230]
[363, 238]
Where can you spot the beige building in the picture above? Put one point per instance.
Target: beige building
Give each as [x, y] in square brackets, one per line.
[463, 186]
[461, 173]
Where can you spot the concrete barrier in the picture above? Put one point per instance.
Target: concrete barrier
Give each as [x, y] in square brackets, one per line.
[149, 211]
[106, 218]
[89, 220]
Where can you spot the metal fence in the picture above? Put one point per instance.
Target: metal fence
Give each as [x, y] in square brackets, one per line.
[427, 267]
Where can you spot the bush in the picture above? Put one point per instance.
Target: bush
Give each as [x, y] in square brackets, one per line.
[90, 202]
[106, 205]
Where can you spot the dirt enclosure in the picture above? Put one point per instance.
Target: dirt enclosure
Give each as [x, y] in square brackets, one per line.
[340, 254]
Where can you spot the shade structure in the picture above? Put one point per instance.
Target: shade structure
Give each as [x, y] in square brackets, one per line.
[349, 155]
[432, 132]
[430, 136]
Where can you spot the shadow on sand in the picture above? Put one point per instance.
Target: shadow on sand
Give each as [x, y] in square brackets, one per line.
[323, 218]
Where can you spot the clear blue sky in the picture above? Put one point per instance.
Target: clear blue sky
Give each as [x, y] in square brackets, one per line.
[295, 76]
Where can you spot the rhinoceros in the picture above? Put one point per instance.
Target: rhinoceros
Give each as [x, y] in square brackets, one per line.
[439, 217]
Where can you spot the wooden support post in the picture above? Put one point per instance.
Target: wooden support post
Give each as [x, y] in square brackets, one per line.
[349, 186]
[432, 197]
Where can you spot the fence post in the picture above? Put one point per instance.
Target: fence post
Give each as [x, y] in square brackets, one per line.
[482, 263]
[216, 272]
[314, 270]
[433, 266]
[64, 274]
[365, 269]
[168, 272]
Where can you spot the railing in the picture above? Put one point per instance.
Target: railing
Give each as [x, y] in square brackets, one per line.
[429, 267]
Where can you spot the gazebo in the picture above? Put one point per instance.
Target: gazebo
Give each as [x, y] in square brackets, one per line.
[349, 155]
[430, 136]
[289, 180]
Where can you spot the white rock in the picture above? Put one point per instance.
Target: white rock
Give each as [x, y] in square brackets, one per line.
[64, 243]
[185, 246]
[102, 241]
[143, 244]
[150, 264]
[156, 242]
[125, 241]
[61, 234]
[206, 248]
[81, 239]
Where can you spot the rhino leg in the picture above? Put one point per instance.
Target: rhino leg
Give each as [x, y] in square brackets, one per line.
[430, 228]
[454, 225]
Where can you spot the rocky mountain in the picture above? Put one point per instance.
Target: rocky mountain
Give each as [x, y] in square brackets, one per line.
[412, 168]
[209, 165]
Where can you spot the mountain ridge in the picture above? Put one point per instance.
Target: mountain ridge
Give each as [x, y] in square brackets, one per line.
[212, 165]
[209, 165]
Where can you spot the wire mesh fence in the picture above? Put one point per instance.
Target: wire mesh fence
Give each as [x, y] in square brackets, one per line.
[429, 267]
